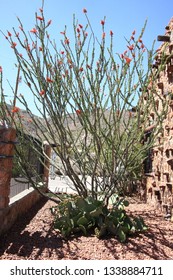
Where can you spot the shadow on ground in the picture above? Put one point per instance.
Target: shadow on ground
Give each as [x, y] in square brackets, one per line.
[18, 241]
[32, 237]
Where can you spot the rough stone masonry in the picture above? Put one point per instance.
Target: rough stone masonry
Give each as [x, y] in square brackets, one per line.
[159, 179]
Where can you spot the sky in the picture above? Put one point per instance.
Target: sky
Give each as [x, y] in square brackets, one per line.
[122, 17]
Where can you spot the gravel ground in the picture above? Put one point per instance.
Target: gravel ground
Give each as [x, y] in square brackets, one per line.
[33, 238]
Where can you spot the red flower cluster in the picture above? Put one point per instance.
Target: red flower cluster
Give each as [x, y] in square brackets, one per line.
[49, 22]
[42, 92]
[127, 59]
[9, 34]
[78, 112]
[34, 30]
[15, 110]
[131, 47]
[67, 41]
[49, 80]
[39, 18]
[13, 45]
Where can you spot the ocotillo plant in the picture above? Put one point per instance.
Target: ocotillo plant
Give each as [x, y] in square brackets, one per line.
[89, 99]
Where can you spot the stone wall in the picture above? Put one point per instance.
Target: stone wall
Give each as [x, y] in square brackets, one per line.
[10, 210]
[23, 202]
[7, 140]
[159, 183]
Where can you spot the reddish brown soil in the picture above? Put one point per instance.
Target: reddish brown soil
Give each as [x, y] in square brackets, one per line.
[32, 237]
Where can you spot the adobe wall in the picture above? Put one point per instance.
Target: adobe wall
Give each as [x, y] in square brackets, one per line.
[159, 183]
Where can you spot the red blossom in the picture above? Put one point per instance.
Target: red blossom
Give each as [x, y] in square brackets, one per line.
[132, 38]
[140, 40]
[111, 33]
[62, 32]
[62, 52]
[0, 69]
[134, 31]
[34, 30]
[142, 46]
[49, 80]
[15, 110]
[49, 22]
[86, 34]
[13, 45]
[127, 59]
[78, 112]
[42, 92]
[69, 61]
[9, 34]
[78, 30]
[81, 26]
[88, 66]
[39, 18]
[40, 49]
[21, 27]
[28, 48]
[67, 41]
[84, 11]
[81, 69]
[102, 22]
[131, 48]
